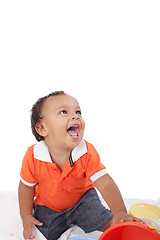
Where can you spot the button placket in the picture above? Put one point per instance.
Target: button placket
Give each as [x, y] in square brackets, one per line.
[57, 174]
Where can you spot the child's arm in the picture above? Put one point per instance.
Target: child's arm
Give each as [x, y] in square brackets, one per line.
[26, 196]
[113, 198]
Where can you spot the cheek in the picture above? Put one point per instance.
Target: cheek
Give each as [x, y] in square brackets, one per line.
[57, 127]
[83, 125]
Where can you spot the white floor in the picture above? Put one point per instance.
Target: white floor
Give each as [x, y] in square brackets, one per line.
[11, 225]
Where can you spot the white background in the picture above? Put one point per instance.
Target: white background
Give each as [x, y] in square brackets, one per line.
[104, 53]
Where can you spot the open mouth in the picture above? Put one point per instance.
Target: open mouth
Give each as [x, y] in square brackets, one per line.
[73, 131]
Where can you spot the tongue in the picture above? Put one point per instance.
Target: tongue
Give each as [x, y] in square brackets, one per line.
[72, 133]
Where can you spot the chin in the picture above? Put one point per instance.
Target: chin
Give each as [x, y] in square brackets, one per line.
[75, 142]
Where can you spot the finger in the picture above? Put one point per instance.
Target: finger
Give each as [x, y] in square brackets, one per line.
[36, 222]
[138, 220]
[120, 220]
[132, 219]
[127, 218]
[27, 233]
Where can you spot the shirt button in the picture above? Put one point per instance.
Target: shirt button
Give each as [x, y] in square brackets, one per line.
[53, 168]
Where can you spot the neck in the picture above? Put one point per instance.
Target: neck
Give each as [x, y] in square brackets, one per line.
[58, 156]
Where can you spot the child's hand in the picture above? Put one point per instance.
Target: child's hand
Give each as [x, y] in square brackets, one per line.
[123, 216]
[27, 225]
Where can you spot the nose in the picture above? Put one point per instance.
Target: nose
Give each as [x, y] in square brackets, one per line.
[75, 117]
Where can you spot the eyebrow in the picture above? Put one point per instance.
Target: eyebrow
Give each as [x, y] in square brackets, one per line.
[66, 106]
[62, 108]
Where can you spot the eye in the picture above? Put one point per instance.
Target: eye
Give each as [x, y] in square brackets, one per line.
[63, 112]
[78, 112]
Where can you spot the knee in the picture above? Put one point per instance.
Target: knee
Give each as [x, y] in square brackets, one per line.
[105, 227]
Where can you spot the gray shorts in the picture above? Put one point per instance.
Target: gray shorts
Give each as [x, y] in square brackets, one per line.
[88, 213]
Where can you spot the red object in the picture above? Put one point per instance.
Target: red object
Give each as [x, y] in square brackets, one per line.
[130, 231]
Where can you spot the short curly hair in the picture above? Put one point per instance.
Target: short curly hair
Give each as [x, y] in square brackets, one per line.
[35, 113]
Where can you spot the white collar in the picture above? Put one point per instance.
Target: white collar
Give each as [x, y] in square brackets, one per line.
[41, 151]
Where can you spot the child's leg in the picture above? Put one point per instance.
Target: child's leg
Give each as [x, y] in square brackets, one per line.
[105, 227]
[54, 223]
[90, 214]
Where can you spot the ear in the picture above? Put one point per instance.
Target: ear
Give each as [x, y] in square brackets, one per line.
[41, 130]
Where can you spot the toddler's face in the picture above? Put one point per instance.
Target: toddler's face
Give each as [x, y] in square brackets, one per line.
[62, 121]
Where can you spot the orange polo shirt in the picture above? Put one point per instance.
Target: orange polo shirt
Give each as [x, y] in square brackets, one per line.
[57, 189]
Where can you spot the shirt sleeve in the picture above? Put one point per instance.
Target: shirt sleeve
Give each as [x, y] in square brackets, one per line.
[27, 168]
[94, 168]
